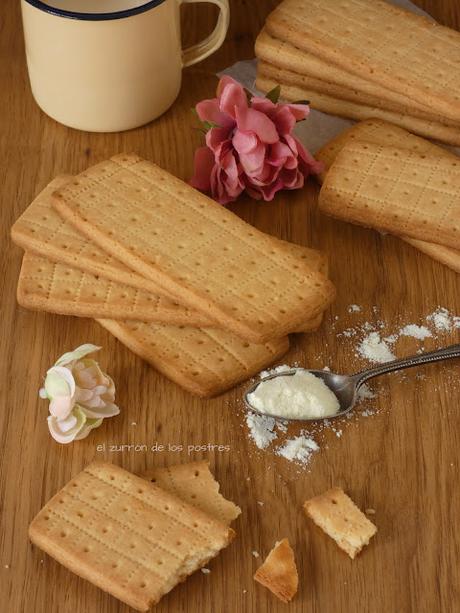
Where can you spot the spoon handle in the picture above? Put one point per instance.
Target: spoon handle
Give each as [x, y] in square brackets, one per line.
[453, 351]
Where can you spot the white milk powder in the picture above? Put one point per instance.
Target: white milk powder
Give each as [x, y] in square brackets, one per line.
[298, 449]
[375, 349]
[299, 396]
[261, 428]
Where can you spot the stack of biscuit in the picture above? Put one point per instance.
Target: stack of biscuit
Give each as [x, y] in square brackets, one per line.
[364, 59]
[381, 176]
[204, 297]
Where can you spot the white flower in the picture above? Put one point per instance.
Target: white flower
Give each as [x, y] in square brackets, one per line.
[80, 395]
[73, 428]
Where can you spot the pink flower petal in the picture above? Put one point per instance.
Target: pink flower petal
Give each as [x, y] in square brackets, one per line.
[251, 120]
[216, 136]
[310, 165]
[220, 190]
[254, 192]
[314, 166]
[284, 120]
[204, 163]
[244, 142]
[266, 192]
[279, 153]
[209, 110]
[300, 111]
[292, 179]
[253, 162]
[267, 174]
[224, 81]
[291, 142]
[230, 167]
[225, 181]
[232, 97]
[264, 105]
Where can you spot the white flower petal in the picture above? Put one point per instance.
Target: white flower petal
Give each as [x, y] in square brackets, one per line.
[61, 407]
[90, 425]
[59, 382]
[77, 354]
[42, 393]
[108, 410]
[85, 378]
[65, 425]
[83, 395]
[65, 436]
[100, 389]
[94, 402]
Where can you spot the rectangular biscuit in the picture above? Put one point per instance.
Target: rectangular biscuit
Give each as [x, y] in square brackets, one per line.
[446, 255]
[345, 108]
[216, 262]
[59, 288]
[125, 535]
[384, 133]
[378, 132]
[284, 55]
[380, 42]
[205, 362]
[346, 93]
[338, 516]
[48, 286]
[195, 484]
[41, 230]
[395, 190]
[52, 239]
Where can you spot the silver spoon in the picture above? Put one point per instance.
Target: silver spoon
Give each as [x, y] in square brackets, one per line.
[346, 387]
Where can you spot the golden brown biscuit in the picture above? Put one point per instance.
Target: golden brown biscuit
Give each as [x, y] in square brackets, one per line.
[236, 274]
[338, 516]
[125, 535]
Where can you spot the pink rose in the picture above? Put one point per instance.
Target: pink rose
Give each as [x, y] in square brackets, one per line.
[250, 146]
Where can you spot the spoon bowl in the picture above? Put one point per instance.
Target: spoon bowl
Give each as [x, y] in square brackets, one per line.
[343, 387]
[346, 387]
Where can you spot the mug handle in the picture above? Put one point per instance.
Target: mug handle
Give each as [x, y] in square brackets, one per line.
[211, 43]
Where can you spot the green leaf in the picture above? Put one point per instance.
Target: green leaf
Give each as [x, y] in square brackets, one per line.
[274, 94]
[210, 124]
[202, 130]
[307, 102]
[204, 125]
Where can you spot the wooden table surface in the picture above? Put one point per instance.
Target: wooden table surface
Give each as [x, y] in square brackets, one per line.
[403, 461]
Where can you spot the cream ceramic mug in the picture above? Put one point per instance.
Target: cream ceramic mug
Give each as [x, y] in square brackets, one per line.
[114, 69]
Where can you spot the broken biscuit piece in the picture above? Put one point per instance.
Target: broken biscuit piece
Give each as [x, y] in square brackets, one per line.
[279, 573]
[338, 516]
[127, 536]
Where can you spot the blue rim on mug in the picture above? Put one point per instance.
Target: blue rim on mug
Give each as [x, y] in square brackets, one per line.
[43, 6]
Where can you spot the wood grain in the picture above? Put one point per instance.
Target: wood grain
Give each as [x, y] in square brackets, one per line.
[403, 462]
